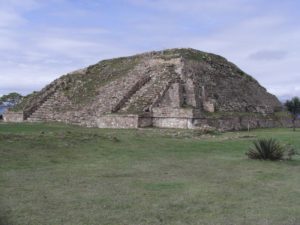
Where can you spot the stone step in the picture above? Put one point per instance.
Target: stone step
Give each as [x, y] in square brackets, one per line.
[41, 113]
[36, 120]
[40, 116]
[145, 96]
[113, 95]
[44, 111]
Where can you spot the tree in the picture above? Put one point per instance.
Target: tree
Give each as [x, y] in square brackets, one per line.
[11, 98]
[293, 106]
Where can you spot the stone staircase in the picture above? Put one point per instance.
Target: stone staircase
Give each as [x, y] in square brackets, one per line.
[112, 96]
[48, 109]
[142, 100]
[132, 94]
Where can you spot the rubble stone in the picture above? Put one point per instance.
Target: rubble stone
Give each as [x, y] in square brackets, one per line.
[170, 88]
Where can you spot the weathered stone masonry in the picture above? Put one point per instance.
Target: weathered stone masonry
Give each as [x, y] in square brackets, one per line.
[13, 117]
[173, 88]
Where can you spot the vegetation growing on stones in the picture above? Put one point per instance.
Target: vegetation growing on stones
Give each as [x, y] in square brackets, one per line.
[81, 88]
[181, 79]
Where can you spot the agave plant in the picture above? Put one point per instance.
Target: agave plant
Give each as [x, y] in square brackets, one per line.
[266, 149]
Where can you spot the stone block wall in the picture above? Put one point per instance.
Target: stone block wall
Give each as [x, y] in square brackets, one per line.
[232, 123]
[175, 112]
[208, 106]
[190, 94]
[145, 121]
[15, 117]
[181, 123]
[180, 118]
[118, 121]
[173, 97]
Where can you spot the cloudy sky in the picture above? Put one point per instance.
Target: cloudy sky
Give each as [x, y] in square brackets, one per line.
[41, 40]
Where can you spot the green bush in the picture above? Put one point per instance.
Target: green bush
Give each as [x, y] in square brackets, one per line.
[270, 149]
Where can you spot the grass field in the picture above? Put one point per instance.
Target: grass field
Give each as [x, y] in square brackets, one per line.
[52, 174]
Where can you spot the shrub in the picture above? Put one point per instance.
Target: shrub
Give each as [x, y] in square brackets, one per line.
[293, 106]
[270, 149]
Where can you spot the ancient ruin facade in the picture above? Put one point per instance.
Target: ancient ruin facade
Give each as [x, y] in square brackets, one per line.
[177, 88]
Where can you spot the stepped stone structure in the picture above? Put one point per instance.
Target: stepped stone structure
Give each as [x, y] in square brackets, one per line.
[176, 88]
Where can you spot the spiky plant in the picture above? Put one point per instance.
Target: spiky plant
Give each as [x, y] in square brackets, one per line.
[266, 149]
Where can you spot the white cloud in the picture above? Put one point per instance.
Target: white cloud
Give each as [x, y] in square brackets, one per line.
[64, 45]
[10, 18]
[85, 43]
[268, 55]
[189, 6]
[262, 42]
[21, 5]
[260, 38]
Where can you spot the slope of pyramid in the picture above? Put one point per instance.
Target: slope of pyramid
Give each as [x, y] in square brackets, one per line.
[175, 83]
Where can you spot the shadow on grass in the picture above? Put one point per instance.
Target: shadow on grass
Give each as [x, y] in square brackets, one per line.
[4, 218]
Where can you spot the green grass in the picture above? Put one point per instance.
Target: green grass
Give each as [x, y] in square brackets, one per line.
[58, 174]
